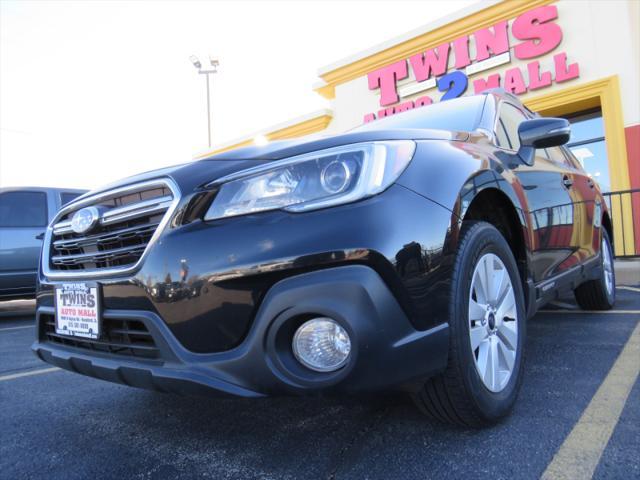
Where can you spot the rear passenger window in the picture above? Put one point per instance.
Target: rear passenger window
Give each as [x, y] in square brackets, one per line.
[68, 197]
[23, 209]
[511, 118]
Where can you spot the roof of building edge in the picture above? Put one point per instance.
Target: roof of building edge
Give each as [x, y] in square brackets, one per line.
[323, 112]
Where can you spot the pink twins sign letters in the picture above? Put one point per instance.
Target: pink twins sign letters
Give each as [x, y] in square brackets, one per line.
[537, 34]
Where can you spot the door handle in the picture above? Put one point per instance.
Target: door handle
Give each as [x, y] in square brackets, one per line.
[40, 236]
[567, 181]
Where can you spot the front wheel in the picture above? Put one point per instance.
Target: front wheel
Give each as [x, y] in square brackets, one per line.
[600, 294]
[487, 334]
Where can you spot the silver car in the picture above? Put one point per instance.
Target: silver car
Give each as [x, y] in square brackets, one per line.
[25, 213]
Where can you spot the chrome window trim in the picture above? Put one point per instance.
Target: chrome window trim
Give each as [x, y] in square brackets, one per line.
[113, 271]
[526, 114]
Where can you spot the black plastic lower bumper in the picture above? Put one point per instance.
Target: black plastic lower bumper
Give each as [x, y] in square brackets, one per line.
[387, 351]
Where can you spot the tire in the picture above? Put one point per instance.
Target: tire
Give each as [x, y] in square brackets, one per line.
[461, 394]
[600, 294]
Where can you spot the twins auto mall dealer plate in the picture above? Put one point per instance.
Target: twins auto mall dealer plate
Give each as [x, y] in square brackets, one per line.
[78, 310]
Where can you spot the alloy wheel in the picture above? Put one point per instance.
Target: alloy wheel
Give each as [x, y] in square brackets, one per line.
[607, 264]
[493, 322]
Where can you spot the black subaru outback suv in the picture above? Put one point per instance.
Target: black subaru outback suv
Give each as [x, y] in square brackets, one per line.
[406, 254]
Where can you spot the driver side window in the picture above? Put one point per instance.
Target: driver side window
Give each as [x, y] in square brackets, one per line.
[510, 118]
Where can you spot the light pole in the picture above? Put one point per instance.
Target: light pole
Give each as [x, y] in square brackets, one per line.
[211, 69]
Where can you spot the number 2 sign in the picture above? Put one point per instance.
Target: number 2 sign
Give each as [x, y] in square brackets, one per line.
[454, 85]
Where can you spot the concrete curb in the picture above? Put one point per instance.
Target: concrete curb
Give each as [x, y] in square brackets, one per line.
[628, 271]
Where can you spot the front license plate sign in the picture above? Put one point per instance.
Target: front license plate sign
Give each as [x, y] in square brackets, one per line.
[77, 310]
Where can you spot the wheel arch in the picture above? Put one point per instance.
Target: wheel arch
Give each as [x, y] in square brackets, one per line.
[494, 205]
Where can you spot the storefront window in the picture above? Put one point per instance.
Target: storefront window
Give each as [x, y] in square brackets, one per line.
[588, 145]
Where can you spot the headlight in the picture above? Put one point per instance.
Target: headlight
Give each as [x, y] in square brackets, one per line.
[314, 180]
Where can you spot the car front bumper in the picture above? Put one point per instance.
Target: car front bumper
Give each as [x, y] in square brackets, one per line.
[387, 351]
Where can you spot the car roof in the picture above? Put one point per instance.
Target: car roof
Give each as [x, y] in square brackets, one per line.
[41, 189]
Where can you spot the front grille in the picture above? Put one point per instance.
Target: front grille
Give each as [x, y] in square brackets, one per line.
[120, 337]
[128, 219]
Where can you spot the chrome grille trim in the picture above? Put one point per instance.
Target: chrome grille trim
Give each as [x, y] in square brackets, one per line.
[140, 209]
[98, 256]
[103, 237]
[127, 212]
[61, 228]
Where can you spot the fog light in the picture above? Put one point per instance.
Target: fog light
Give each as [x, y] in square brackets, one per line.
[321, 345]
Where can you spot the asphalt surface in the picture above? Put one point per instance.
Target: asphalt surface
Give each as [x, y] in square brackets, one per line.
[63, 425]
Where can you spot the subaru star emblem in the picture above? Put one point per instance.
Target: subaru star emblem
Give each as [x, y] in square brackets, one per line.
[85, 219]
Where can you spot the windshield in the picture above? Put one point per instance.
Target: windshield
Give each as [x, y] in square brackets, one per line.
[459, 114]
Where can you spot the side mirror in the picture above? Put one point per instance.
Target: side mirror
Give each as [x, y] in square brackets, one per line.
[541, 133]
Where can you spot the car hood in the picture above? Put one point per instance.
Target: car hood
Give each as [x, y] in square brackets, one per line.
[193, 175]
[288, 148]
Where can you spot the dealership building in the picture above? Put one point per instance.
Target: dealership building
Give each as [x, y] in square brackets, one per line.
[575, 59]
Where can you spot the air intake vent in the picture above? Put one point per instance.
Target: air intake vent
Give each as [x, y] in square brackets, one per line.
[120, 337]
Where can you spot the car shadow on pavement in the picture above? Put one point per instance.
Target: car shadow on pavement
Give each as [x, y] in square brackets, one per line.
[282, 435]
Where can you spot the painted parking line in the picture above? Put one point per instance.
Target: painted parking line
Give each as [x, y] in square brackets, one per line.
[631, 289]
[28, 374]
[599, 312]
[580, 453]
[16, 328]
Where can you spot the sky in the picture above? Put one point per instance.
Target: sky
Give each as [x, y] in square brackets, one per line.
[92, 91]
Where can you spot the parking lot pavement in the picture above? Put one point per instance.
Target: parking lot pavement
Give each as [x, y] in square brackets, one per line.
[58, 424]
